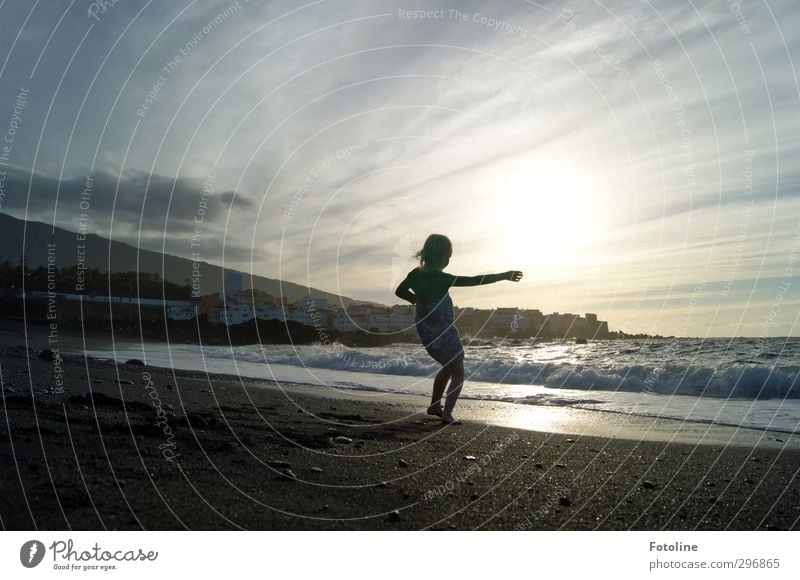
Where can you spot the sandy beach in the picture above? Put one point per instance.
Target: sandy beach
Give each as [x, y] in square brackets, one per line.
[89, 444]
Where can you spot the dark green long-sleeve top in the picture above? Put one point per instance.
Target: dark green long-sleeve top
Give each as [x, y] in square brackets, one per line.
[433, 286]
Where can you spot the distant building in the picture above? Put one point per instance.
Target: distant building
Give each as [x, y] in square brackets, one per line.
[233, 284]
[509, 321]
[310, 311]
[181, 312]
[236, 313]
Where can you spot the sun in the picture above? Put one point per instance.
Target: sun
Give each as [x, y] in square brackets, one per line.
[549, 211]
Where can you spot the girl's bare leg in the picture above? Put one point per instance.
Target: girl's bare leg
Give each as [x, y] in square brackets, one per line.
[439, 384]
[454, 390]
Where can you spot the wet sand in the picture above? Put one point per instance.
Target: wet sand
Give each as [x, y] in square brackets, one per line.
[118, 446]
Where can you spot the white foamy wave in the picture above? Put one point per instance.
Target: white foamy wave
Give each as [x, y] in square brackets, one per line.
[733, 380]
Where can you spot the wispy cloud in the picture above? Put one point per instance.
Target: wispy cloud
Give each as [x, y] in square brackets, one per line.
[603, 148]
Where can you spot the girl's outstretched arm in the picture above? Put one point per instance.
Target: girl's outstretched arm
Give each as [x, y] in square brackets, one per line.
[512, 275]
[404, 291]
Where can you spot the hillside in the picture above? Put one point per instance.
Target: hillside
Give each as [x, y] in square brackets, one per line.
[43, 243]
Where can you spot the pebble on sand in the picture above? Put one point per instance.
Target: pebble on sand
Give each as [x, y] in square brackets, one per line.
[134, 361]
[394, 516]
[402, 463]
[288, 474]
[280, 464]
[342, 440]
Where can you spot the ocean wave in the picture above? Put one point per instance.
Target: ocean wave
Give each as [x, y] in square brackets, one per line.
[744, 381]
[735, 380]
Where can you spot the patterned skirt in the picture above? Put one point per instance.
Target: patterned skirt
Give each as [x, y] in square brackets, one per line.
[434, 321]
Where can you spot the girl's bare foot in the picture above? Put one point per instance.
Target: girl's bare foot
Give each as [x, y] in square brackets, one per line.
[450, 420]
[435, 410]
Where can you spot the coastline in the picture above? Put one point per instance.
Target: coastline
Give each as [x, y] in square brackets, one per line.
[131, 447]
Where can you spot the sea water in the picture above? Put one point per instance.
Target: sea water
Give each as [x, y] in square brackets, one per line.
[739, 382]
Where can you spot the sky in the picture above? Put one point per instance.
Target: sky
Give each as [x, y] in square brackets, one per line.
[636, 160]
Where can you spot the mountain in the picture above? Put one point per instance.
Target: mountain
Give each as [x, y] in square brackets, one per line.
[64, 248]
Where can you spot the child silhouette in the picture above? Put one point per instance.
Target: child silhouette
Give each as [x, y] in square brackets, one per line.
[427, 287]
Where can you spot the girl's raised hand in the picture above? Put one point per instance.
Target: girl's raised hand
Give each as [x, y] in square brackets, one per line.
[513, 275]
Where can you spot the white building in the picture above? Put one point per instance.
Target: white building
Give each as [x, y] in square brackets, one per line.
[309, 311]
[233, 282]
[236, 313]
[509, 320]
[356, 317]
[181, 312]
[270, 312]
[553, 322]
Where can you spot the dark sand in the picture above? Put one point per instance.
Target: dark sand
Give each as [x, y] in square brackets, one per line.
[238, 454]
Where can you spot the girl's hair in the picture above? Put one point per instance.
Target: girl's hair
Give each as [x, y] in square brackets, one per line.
[436, 252]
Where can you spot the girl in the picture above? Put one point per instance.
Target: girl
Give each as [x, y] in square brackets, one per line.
[427, 287]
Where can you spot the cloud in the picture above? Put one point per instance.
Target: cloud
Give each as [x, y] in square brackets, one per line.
[150, 211]
[459, 119]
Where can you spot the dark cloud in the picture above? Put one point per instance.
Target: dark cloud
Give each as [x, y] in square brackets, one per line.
[151, 211]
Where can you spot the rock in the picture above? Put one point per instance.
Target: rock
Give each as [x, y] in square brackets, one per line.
[280, 464]
[394, 516]
[402, 463]
[570, 441]
[561, 465]
[288, 474]
[564, 501]
[47, 355]
[474, 497]
[342, 440]
[381, 484]
[316, 470]
[755, 459]
[419, 422]
[134, 361]
[539, 466]
[360, 444]
[648, 485]
[98, 381]
[470, 457]
[125, 382]
[748, 480]
[168, 386]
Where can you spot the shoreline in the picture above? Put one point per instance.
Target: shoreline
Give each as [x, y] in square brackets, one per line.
[132, 447]
[532, 417]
